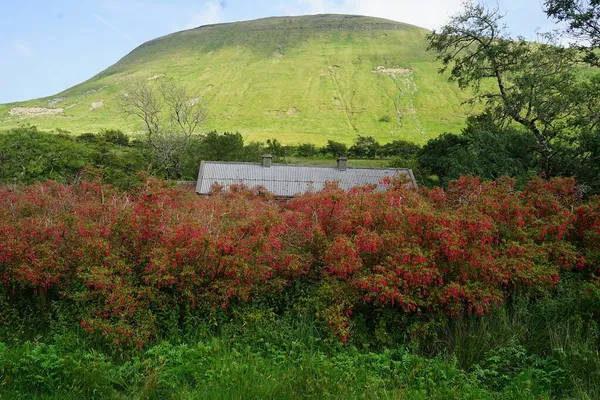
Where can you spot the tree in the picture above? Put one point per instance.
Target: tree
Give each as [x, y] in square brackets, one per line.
[586, 127]
[170, 102]
[365, 147]
[335, 148]
[306, 150]
[186, 112]
[212, 146]
[28, 155]
[400, 148]
[482, 149]
[276, 149]
[583, 24]
[227, 146]
[114, 136]
[140, 100]
[442, 156]
[531, 84]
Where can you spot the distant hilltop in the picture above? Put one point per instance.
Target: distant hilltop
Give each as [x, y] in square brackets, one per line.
[297, 79]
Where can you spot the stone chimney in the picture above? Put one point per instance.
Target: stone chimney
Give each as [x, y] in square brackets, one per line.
[341, 163]
[267, 160]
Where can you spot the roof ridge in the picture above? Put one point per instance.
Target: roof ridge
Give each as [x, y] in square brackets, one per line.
[302, 165]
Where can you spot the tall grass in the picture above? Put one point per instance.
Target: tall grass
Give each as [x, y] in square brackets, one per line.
[561, 326]
[544, 347]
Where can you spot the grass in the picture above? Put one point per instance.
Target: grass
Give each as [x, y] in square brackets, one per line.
[323, 87]
[217, 370]
[277, 361]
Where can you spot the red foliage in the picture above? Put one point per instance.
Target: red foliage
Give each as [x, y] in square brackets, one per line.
[123, 256]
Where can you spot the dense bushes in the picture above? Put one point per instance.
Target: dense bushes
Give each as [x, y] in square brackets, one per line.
[482, 149]
[492, 291]
[489, 149]
[119, 261]
[28, 155]
[478, 151]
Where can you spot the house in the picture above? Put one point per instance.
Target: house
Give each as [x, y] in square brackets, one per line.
[287, 180]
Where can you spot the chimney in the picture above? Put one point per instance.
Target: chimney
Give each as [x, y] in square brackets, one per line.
[341, 163]
[266, 160]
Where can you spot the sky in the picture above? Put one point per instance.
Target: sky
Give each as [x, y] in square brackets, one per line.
[47, 46]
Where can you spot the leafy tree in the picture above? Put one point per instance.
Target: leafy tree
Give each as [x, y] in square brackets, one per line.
[583, 157]
[118, 164]
[583, 23]
[115, 136]
[226, 146]
[253, 152]
[482, 149]
[403, 154]
[335, 148]
[306, 150]
[442, 156]
[365, 147]
[400, 148]
[215, 146]
[276, 149]
[531, 84]
[212, 146]
[28, 155]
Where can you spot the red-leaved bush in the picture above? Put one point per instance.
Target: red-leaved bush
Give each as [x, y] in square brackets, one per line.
[122, 257]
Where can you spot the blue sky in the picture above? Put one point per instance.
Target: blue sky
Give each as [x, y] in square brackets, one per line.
[47, 46]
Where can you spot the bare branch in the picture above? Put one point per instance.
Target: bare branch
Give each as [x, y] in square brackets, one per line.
[186, 112]
[183, 113]
[140, 100]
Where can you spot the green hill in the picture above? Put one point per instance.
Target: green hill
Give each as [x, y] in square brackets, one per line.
[298, 79]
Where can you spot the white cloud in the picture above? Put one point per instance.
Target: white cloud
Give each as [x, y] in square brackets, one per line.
[431, 14]
[22, 48]
[115, 29]
[211, 14]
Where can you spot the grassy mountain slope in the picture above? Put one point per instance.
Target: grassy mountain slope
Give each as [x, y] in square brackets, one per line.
[298, 79]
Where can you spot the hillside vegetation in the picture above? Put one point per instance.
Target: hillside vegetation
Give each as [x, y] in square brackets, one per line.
[299, 79]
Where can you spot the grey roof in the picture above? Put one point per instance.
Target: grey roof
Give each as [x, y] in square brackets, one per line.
[290, 179]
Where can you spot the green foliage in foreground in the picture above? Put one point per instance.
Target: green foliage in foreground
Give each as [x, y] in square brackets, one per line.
[528, 349]
[219, 369]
